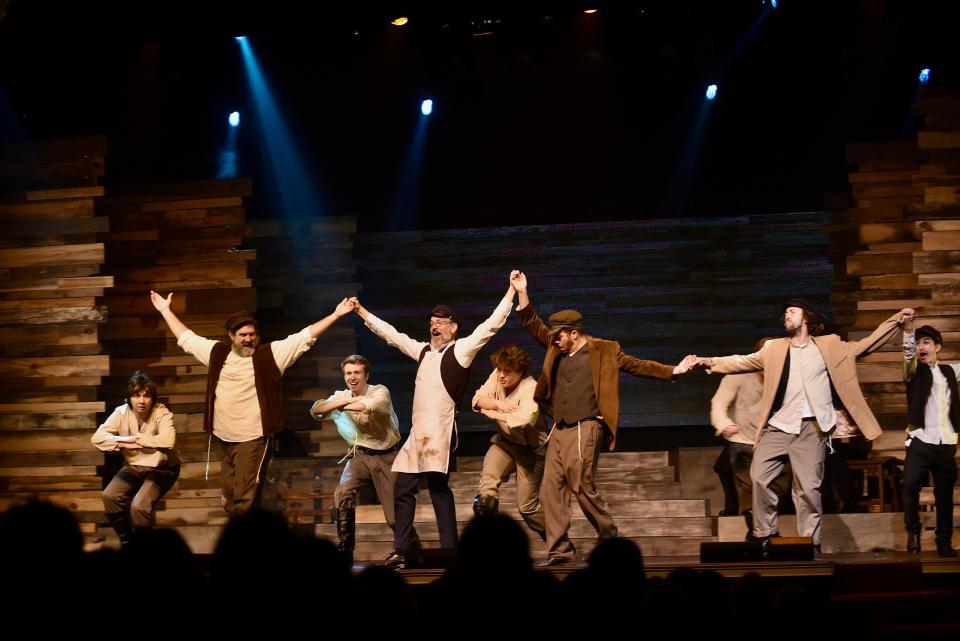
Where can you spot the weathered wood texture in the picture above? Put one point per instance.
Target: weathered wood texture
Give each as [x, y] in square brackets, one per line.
[51, 359]
[900, 247]
[662, 288]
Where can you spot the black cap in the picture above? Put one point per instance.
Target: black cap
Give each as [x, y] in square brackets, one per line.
[930, 332]
[442, 311]
[802, 304]
[238, 320]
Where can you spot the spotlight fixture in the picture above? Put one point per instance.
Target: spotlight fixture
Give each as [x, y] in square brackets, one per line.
[589, 10]
[924, 76]
[234, 119]
[711, 92]
[240, 38]
[426, 107]
[400, 21]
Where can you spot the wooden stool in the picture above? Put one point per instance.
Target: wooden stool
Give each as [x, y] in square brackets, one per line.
[886, 472]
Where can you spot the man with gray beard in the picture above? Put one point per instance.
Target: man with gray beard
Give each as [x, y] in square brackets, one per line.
[244, 404]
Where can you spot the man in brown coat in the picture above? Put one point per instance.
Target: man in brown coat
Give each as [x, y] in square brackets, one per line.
[580, 388]
[807, 376]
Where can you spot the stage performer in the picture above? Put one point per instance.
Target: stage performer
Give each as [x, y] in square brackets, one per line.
[506, 398]
[244, 406]
[808, 376]
[364, 416]
[580, 387]
[143, 431]
[933, 406]
[441, 382]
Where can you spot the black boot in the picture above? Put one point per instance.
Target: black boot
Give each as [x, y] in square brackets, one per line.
[415, 543]
[944, 548]
[346, 531]
[485, 504]
[748, 519]
[124, 528]
[913, 542]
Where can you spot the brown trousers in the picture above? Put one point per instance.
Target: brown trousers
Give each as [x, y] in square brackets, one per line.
[570, 470]
[242, 468]
[138, 489]
[365, 468]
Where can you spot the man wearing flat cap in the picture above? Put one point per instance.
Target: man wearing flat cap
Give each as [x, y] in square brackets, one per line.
[442, 373]
[807, 377]
[244, 405]
[933, 409]
[579, 388]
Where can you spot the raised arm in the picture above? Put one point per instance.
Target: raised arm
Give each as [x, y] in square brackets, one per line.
[162, 305]
[529, 318]
[648, 369]
[909, 347]
[881, 334]
[466, 348]
[346, 306]
[388, 332]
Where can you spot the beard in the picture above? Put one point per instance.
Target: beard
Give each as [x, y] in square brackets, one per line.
[243, 352]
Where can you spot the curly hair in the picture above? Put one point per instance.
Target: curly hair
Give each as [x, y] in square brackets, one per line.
[511, 358]
[140, 382]
[816, 324]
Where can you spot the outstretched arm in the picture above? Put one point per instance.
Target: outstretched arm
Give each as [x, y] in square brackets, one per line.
[346, 306]
[466, 348]
[388, 332]
[162, 305]
[529, 318]
[881, 334]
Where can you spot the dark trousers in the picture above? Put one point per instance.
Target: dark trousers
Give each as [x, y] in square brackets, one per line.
[405, 501]
[137, 489]
[939, 461]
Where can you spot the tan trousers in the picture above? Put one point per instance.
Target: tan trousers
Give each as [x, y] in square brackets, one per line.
[365, 468]
[242, 468]
[569, 470]
[502, 459]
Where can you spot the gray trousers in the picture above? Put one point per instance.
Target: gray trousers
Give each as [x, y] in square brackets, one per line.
[806, 452]
[363, 468]
[569, 471]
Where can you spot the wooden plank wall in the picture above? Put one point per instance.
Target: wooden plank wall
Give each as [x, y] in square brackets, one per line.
[902, 241]
[52, 360]
[663, 288]
[185, 238]
[305, 267]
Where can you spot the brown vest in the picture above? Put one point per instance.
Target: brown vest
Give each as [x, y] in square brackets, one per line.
[574, 398]
[267, 378]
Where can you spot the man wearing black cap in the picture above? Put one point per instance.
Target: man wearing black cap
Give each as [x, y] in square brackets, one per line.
[933, 406]
[444, 367]
[579, 387]
[244, 405]
[807, 376]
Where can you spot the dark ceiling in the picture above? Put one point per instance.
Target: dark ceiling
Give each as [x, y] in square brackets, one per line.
[543, 113]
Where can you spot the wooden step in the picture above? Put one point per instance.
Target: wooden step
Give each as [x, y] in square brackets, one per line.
[606, 460]
[604, 475]
[846, 533]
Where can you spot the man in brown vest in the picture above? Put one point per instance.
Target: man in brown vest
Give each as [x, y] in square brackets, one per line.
[580, 387]
[244, 406]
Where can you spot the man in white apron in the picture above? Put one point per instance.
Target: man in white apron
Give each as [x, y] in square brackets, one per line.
[439, 387]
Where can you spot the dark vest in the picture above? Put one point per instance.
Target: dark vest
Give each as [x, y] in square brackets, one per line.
[918, 391]
[574, 398]
[267, 378]
[454, 375]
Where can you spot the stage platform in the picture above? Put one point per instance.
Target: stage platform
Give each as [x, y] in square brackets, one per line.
[936, 572]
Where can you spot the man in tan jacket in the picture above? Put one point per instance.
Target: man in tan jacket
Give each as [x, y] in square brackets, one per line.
[807, 376]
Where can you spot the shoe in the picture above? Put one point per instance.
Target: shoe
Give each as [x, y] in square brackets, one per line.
[748, 519]
[554, 561]
[395, 560]
[765, 542]
[913, 543]
[944, 549]
[485, 505]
